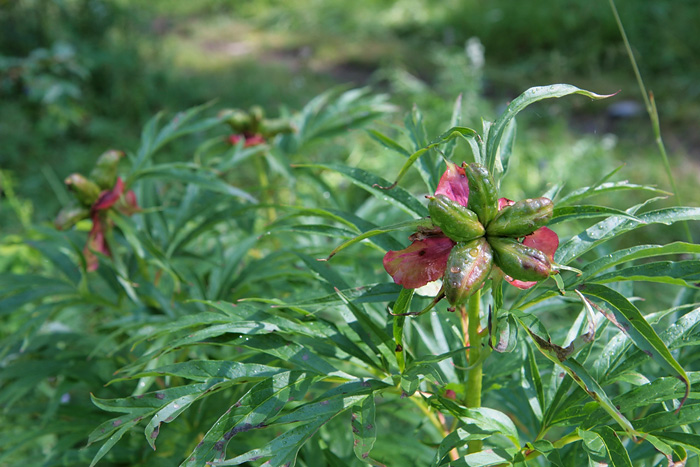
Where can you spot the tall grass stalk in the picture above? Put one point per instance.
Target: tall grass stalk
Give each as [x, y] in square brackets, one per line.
[653, 114]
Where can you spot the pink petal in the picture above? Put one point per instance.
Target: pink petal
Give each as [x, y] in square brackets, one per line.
[520, 284]
[503, 202]
[543, 239]
[109, 197]
[254, 140]
[454, 184]
[250, 140]
[422, 262]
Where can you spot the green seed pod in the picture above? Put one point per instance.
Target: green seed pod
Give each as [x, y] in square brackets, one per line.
[468, 267]
[85, 190]
[522, 218]
[455, 221]
[270, 127]
[105, 171]
[256, 113]
[239, 120]
[70, 215]
[520, 261]
[483, 196]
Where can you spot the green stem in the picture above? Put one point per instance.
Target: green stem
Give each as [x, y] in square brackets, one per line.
[265, 187]
[653, 115]
[475, 376]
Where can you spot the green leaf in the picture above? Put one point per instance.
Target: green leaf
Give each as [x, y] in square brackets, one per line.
[489, 420]
[113, 439]
[454, 132]
[614, 226]
[616, 451]
[687, 440]
[429, 365]
[655, 392]
[678, 334]
[411, 225]
[484, 458]
[190, 173]
[531, 383]
[398, 196]
[252, 411]
[504, 336]
[567, 213]
[364, 430]
[631, 321]
[574, 369]
[152, 139]
[401, 306]
[203, 370]
[637, 252]
[283, 449]
[388, 143]
[662, 421]
[457, 439]
[603, 443]
[605, 188]
[507, 144]
[530, 96]
[685, 273]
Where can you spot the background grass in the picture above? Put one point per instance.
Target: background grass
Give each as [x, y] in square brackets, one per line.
[112, 64]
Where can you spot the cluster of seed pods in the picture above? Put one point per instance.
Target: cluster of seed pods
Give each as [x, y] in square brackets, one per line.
[487, 236]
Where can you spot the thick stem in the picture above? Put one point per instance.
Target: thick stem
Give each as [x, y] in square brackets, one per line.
[474, 378]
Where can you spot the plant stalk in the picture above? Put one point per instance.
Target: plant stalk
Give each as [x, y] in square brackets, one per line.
[650, 106]
[266, 194]
[475, 376]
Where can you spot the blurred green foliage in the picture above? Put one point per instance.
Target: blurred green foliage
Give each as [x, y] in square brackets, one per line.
[78, 77]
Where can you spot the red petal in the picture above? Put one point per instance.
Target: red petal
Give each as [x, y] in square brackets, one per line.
[543, 239]
[503, 202]
[422, 262]
[454, 184]
[546, 241]
[96, 242]
[250, 140]
[520, 284]
[109, 197]
[254, 140]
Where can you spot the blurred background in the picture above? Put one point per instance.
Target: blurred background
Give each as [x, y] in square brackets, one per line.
[78, 77]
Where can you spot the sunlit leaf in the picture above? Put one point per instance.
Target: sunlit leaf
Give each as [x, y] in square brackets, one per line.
[630, 320]
[530, 96]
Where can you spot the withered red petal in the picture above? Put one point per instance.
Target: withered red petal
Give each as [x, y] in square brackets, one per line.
[421, 262]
